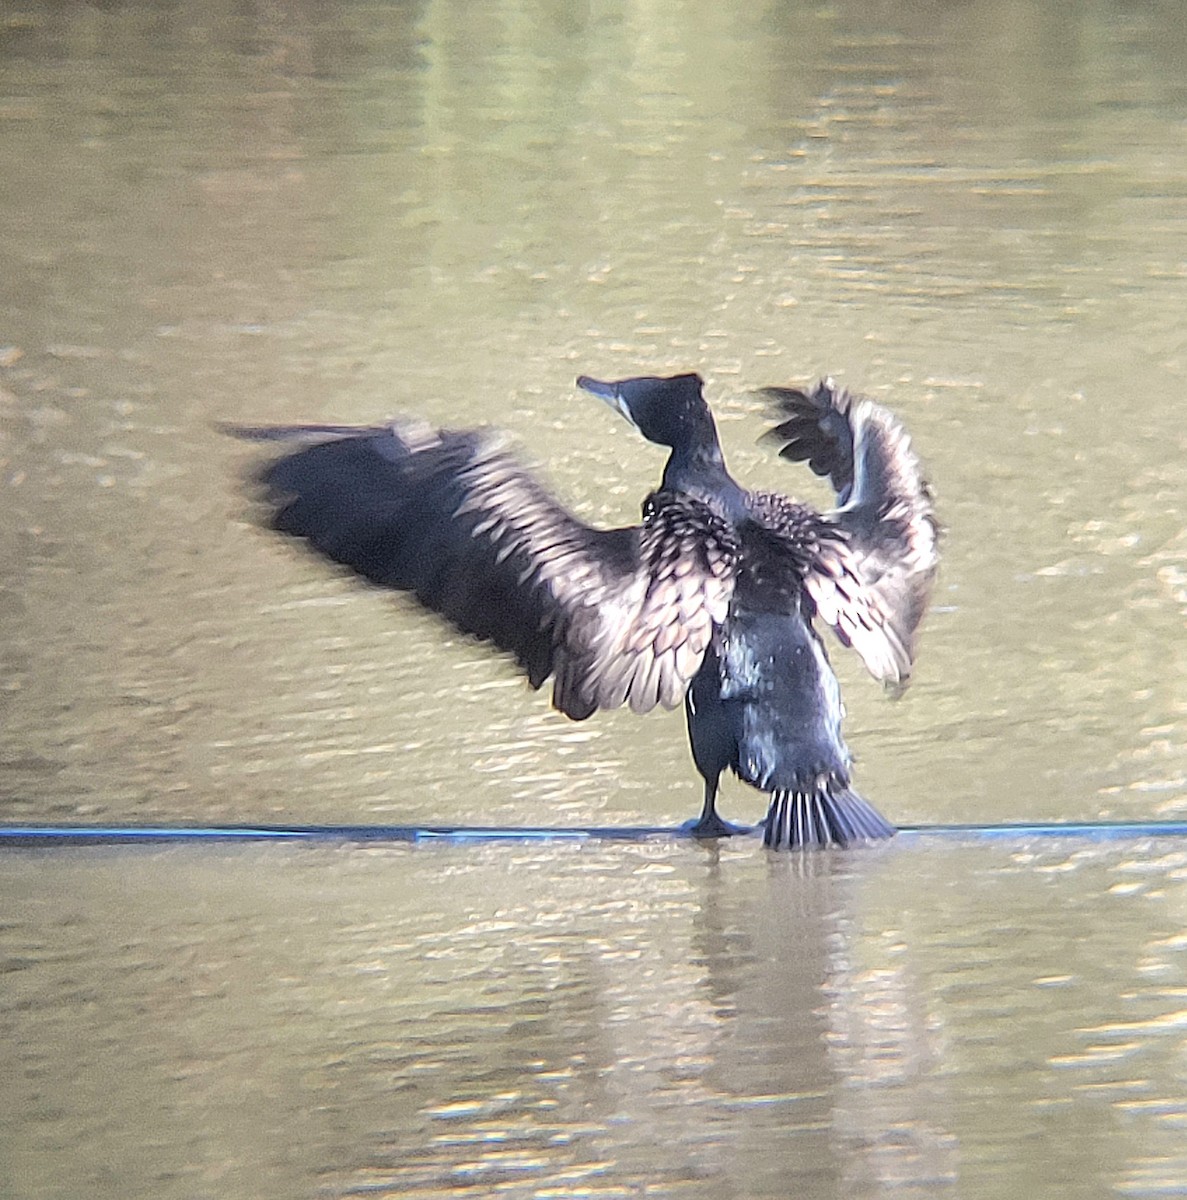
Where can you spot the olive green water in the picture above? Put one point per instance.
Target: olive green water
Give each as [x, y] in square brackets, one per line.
[976, 213]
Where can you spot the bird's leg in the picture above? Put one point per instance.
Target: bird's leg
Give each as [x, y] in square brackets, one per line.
[709, 824]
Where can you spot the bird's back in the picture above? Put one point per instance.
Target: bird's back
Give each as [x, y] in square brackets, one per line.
[779, 698]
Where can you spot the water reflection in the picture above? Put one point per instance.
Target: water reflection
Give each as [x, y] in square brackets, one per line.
[409, 1021]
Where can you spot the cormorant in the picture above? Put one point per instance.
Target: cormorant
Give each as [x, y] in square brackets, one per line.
[711, 599]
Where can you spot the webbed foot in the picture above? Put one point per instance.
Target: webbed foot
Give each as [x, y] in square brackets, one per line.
[712, 826]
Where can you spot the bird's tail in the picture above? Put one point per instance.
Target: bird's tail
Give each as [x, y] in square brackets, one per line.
[828, 814]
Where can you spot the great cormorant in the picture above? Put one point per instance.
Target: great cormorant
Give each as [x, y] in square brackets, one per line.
[710, 599]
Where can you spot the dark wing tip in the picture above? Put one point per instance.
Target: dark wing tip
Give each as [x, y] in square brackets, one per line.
[447, 516]
[816, 429]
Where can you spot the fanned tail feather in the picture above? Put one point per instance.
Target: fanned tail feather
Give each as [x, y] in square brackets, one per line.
[829, 815]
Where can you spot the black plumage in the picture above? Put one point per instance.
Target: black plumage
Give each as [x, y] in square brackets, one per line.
[710, 599]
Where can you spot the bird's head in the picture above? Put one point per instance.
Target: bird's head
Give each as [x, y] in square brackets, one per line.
[669, 411]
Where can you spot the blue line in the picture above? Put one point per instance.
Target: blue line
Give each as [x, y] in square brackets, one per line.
[1094, 830]
[86, 834]
[18, 835]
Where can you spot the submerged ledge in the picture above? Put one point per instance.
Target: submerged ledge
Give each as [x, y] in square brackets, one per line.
[44, 835]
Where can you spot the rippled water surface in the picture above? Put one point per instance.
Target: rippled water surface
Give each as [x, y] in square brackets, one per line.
[975, 213]
[937, 1017]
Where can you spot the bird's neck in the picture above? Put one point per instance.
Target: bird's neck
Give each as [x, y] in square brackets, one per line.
[699, 471]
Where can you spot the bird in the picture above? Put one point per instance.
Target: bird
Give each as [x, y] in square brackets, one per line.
[712, 600]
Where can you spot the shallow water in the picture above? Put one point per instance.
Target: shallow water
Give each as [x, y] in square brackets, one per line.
[938, 1016]
[339, 212]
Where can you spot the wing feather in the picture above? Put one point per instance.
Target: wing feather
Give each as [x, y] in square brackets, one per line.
[872, 582]
[613, 615]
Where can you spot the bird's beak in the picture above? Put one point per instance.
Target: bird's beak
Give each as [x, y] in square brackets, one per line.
[611, 393]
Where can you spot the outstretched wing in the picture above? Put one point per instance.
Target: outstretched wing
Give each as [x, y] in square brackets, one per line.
[872, 584]
[615, 616]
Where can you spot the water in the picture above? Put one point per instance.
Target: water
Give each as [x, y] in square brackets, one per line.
[974, 213]
[936, 1017]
